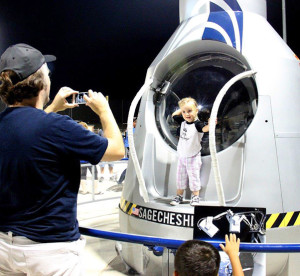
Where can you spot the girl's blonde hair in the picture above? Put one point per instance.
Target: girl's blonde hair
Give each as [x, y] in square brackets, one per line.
[187, 100]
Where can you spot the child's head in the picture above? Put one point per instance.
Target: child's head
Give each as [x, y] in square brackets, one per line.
[197, 258]
[84, 125]
[204, 114]
[189, 109]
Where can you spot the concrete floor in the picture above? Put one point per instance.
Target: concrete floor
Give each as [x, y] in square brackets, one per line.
[100, 257]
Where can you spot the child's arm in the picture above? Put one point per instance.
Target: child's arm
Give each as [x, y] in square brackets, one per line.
[206, 128]
[232, 250]
[177, 113]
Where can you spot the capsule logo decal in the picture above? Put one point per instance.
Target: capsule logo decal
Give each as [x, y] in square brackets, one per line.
[277, 220]
[156, 215]
[225, 23]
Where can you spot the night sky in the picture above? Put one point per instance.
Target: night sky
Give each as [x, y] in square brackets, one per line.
[106, 45]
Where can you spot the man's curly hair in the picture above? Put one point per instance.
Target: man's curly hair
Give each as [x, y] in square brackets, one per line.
[12, 91]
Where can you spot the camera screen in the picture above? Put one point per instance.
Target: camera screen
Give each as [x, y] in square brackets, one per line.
[77, 98]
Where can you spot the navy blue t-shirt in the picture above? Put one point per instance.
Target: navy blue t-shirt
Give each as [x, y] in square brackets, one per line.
[40, 157]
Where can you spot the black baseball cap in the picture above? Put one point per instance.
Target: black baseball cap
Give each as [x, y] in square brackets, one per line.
[23, 59]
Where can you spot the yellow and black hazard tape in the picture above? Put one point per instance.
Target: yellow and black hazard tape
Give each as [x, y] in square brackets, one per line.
[278, 220]
[281, 220]
[128, 207]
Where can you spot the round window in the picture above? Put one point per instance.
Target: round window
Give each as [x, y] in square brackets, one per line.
[201, 77]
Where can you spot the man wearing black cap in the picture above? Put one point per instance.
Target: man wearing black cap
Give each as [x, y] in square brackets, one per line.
[40, 153]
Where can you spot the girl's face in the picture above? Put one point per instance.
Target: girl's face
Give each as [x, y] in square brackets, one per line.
[189, 112]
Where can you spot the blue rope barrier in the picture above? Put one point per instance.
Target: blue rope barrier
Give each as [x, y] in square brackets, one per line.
[174, 244]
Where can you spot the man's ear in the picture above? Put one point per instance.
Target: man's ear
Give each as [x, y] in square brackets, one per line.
[175, 273]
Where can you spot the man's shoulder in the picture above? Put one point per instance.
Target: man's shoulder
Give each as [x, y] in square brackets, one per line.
[50, 121]
[55, 116]
[21, 113]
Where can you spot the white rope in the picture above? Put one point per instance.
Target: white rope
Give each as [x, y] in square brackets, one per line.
[212, 134]
[132, 151]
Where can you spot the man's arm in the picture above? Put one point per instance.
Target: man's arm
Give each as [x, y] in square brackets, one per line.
[232, 250]
[98, 103]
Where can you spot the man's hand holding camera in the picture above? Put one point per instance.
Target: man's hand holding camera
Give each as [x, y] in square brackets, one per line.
[60, 103]
[97, 102]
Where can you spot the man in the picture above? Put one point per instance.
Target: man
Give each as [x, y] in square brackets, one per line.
[40, 153]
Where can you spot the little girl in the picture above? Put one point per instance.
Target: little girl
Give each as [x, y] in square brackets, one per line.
[189, 150]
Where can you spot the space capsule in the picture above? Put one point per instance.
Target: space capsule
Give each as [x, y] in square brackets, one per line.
[257, 135]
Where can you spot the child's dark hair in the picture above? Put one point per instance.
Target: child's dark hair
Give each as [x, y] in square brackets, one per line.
[204, 114]
[197, 258]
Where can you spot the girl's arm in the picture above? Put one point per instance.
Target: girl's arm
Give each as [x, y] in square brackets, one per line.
[177, 113]
[206, 128]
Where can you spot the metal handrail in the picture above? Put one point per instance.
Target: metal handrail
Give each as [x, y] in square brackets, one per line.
[174, 244]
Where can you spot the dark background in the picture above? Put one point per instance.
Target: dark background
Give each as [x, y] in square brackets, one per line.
[107, 45]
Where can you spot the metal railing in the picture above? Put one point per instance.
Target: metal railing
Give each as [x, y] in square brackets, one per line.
[90, 181]
[174, 244]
